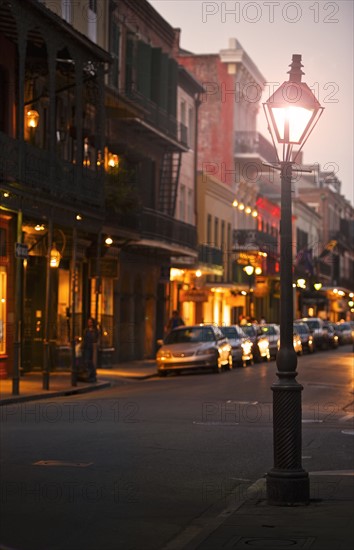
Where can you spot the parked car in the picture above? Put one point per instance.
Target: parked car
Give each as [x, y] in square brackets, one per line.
[305, 336]
[241, 345]
[297, 344]
[345, 333]
[272, 332]
[333, 334]
[318, 331]
[194, 347]
[260, 342]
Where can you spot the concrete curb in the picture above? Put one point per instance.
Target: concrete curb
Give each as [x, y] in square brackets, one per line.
[59, 393]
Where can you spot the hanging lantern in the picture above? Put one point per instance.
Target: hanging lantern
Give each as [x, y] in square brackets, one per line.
[55, 256]
[32, 118]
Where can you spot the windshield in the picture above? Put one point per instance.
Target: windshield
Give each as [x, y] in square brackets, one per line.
[249, 330]
[301, 329]
[344, 326]
[312, 325]
[232, 332]
[268, 330]
[189, 335]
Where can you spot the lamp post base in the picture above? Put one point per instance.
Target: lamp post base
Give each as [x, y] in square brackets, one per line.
[286, 488]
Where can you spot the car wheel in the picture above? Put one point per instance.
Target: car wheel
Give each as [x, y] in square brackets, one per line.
[218, 367]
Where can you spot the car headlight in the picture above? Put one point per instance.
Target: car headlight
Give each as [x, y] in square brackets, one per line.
[246, 346]
[163, 355]
[208, 351]
[263, 345]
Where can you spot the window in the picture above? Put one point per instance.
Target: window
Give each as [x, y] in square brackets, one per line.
[66, 10]
[208, 232]
[182, 203]
[114, 51]
[183, 112]
[191, 127]
[216, 231]
[93, 5]
[190, 207]
[92, 20]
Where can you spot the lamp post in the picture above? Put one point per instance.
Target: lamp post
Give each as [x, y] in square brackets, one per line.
[292, 112]
[249, 270]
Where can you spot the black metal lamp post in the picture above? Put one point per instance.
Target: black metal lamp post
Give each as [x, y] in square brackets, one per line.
[292, 112]
[249, 270]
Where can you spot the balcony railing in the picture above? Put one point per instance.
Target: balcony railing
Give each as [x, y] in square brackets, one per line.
[251, 240]
[60, 179]
[158, 226]
[254, 143]
[154, 115]
[210, 255]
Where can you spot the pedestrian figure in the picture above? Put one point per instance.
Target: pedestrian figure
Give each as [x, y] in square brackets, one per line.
[89, 349]
[175, 321]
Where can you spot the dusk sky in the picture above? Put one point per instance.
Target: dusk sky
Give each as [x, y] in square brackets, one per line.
[270, 32]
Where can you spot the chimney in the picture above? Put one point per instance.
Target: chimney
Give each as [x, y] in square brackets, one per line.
[176, 42]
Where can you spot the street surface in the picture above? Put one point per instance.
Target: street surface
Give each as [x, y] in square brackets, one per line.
[144, 464]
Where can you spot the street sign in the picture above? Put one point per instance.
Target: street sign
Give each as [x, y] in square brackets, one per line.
[21, 251]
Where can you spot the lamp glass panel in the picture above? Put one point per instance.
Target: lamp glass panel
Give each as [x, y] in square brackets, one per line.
[297, 119]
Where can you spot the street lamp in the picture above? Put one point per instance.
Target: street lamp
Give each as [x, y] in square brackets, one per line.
[292, 112]
[249, 270]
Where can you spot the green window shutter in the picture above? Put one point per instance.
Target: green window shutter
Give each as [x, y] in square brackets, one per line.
[155, 74]
[172, 87]
[114, 50]
[163, 103]
[144, 69]
[129, 64]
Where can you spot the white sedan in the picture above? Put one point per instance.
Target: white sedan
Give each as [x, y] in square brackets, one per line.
[194, 347]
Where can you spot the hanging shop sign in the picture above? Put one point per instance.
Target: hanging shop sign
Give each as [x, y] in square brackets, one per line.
[194, 295]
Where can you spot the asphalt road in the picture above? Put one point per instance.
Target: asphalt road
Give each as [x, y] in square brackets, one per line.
[136, 466]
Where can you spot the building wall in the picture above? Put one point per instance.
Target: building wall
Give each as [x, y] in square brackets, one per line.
[216, 116]
[186, 207]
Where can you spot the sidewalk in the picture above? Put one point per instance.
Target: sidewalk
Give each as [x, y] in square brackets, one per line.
[31, 384]
[246, 520]
[325, 524]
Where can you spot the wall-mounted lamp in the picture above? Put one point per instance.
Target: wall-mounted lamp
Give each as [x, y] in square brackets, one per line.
[32, 118]
[55, 256]
[108, 241]
[113, 160]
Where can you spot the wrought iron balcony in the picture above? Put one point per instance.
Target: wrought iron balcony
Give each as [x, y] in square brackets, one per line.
[153, 114]
[248, 240]
[22, 163]
[210, 255]
[158, 226]
[253, 143]
[152, 225]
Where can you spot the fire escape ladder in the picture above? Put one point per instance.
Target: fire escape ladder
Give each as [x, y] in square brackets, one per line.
[169, 177]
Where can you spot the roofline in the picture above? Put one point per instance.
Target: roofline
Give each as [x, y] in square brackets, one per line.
[75, 34]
